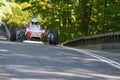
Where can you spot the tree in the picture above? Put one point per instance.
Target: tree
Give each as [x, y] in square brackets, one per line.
[4, 9]
[72, 18]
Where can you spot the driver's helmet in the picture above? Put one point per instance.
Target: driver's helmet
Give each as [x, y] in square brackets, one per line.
[34, 21]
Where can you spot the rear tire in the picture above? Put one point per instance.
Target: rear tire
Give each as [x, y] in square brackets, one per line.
[13, 33]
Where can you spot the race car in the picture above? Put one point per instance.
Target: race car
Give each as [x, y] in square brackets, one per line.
[34, 34]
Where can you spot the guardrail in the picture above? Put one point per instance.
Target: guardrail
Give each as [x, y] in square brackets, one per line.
[101, 41]
[4, 31]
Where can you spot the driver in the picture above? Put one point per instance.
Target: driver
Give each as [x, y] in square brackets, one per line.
[34, 25]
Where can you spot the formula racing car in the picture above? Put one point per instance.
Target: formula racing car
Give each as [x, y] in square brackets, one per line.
[26, 33]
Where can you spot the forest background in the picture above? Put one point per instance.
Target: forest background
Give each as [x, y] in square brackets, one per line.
[72, 18]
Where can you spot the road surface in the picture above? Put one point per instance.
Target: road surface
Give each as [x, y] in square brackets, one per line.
[23, 61]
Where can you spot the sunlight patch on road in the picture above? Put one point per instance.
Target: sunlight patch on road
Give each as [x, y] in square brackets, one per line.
[76, 72]
[44, 71]
[4, 50]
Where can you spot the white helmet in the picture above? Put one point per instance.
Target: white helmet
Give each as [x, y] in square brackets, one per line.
[34, 21]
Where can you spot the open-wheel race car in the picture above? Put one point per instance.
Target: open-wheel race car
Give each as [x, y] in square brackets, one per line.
[27, 33]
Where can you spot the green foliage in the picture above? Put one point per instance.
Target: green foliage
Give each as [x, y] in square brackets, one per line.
[5, 9]
[72, 18]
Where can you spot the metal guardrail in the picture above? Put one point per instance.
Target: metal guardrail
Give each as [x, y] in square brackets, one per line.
[4, 31]
[112, 37]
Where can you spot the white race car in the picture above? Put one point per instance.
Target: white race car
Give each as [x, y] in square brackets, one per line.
[26, 33]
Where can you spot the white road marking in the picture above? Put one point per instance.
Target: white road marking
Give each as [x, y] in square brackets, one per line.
[104, 59]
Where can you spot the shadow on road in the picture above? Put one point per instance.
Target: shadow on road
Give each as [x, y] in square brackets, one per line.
[31, 63]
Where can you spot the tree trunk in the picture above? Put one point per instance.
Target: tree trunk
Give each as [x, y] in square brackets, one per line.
[85, 16]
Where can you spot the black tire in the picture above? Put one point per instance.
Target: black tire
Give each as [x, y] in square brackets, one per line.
[13, 33]
[54, 41]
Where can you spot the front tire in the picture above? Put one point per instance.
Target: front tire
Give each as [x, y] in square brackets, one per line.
[13, 33]
[54, 40]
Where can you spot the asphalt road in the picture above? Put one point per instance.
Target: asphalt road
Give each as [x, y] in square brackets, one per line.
[22, 61]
